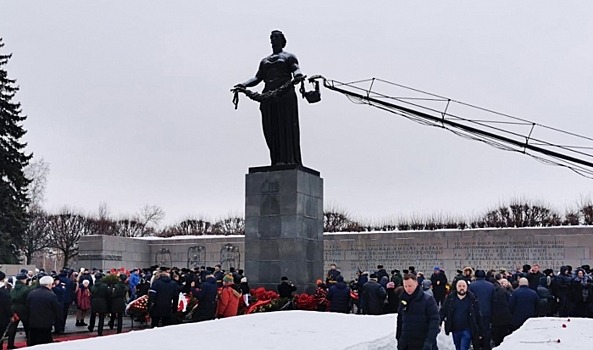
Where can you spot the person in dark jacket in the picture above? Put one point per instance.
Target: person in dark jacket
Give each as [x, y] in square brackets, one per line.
[381, 272]
[561, 289]
[396, 278]
[339, 296]
[117, 306]
[438, 280]
[99, 303]
[523, 303]
[163, 298]
[59, 289]
[18, 296]
[544, 307]
[417, 318]
[533, 277]
[462, 317]
[332, 274]
[43, 309]
[69, 288]
[581, 294]
[392, 299]
[374, 296]
[502, 319]
[207, 300]
[5, 308]
[484, 292]
[286, 288]
[362, 279]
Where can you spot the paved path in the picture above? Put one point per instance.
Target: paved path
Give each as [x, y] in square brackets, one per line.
[71, 331]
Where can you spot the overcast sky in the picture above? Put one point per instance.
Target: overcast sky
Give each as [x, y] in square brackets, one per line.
[129, 101]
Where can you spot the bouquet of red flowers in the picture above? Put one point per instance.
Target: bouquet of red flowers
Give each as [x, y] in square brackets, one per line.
[138, 308]
[305, 302]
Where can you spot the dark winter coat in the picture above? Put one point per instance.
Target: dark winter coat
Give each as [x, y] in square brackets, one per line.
[523, 305]
[374, 297]
[206, 295]
[286, 289]
[100, 298]
[118, 298]
[417, 321]
[484, 291]
[43, 308]
[544, 307]
[533, 279]
[439, 281]
[397, 279]
[501, 313]
[475, 317]
[69, 288]
[18, 294]
[339, 297]
[5, 309]
[382, 273]
[163, 297]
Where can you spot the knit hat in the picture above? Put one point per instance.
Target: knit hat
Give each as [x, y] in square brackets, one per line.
[436, 268]
[22, 276]
[480, 274]
[228, 278]
[340, 278]
[283, 278]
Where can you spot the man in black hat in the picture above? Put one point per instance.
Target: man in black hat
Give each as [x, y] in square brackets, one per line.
[18, 296]
[286, 288]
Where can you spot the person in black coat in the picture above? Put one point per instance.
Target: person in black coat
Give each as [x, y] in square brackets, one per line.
[561, 289]
[117, 305]
[439, 282]
[417, 318]
[339, 296]
[523, 303]
[69, 288]
[462, 317]
[502, 319]
[100, 296]
[5, 307]
[362, 279]
[206, 295]
[286, 288]
[374, 296]
[484, 292]
[43, 309]
[163, 298]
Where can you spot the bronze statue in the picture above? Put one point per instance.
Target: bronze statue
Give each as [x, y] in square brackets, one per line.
[278, 101]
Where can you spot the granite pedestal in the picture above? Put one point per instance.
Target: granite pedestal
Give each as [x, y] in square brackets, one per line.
[284, 226]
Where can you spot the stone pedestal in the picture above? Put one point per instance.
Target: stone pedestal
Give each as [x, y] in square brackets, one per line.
[284, 226]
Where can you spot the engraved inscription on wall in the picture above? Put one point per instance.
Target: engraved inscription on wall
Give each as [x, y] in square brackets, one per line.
[451, 253]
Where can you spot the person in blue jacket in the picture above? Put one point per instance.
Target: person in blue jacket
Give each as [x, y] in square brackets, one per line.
[339, 296]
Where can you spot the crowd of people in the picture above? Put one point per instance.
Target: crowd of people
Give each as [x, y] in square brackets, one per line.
[477, 307]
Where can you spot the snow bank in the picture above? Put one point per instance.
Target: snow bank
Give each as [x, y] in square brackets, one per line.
[299, 330]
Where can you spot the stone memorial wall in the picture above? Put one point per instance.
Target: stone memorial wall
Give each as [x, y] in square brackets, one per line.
[449, 249]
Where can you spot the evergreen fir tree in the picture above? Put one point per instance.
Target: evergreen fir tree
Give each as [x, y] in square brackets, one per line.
[13, 183]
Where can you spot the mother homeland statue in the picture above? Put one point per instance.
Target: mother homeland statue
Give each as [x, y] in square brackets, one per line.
[278, 101]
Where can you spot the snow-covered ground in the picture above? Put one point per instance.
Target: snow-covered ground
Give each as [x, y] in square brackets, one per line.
[315, 330]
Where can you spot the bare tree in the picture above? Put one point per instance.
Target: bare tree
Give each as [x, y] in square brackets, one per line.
[36, 237]
[150, 216]
[232, 225]
[37, 172]
[130, 227]
[338, 220]
[65, 230]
